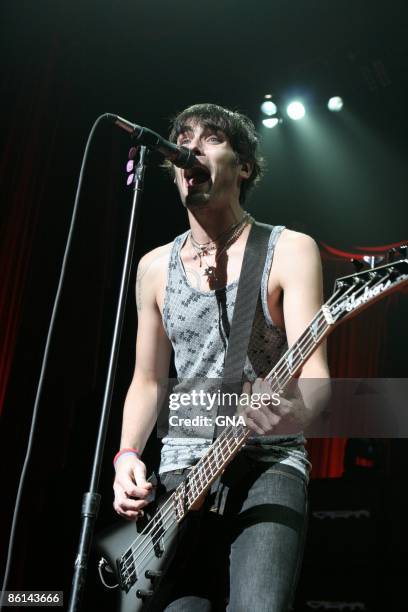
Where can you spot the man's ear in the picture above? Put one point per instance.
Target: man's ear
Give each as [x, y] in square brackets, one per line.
[246, 170]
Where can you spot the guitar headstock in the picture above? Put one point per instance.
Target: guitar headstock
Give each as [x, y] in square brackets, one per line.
[354, 292]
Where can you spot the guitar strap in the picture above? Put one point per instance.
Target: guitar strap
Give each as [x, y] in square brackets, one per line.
[243, 316]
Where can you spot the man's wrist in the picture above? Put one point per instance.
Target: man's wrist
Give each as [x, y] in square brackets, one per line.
[126, 451]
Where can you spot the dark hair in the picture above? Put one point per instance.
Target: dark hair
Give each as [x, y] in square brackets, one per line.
[239, 130]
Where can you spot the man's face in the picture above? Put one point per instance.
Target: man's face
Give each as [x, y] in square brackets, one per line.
[218, 178]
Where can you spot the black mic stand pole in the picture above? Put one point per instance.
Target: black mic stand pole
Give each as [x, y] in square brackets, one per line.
[91, 499]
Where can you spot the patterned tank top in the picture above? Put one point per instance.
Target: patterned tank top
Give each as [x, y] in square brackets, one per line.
[198, 324]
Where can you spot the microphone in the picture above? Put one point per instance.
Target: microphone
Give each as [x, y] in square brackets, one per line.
[179, 156]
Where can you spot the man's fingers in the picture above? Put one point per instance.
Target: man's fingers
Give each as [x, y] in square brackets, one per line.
[261, 420]
[284, 407]
[127, 507]
[127, 485]
[244, 398]
[134, 491]
[252, 425]
[139, 472]
[131, 490]
[265, 420]
[130, 515]
[134, 505]
[272, 415]
[262, 409]
[247, 388]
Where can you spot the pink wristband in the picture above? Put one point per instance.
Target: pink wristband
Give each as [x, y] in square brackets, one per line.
[126, 451]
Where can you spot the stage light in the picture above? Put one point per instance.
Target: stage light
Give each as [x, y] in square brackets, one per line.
[271, 122]
[335, 104]
[296, 111]
[268, 108]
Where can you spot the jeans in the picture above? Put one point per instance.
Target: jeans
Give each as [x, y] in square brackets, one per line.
[242, 550]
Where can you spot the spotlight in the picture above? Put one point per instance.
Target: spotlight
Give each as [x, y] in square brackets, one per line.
[296, 111]
[268, 108]
[335, 104]
[271, 122]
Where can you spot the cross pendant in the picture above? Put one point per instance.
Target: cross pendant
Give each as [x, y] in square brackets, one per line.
[209, 272]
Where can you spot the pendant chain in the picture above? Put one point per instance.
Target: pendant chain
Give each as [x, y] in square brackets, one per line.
[229, 236]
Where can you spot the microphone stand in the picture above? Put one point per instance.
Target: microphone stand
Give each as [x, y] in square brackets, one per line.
[91, 499]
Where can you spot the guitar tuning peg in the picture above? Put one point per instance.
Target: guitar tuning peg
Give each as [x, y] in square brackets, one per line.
[130, 165]
[391, 254]
[393, 273]
[373, 260]
[357, 263]
[403, 249]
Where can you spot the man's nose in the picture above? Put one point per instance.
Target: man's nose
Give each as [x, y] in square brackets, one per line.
[195, 146]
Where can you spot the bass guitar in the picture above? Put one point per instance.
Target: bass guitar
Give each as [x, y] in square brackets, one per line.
[134, 556]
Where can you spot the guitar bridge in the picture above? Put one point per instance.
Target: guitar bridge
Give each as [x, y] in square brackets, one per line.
[127, 572]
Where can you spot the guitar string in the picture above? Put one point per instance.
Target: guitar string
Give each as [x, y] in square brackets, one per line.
[311, 344]
[168, 506]
[278, 370]
[203, 467]
[165, 511]
[165, 519]
[191, 475]
[165, 515]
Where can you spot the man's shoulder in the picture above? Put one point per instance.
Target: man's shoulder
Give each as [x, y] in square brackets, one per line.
[292, 242]
[296, 255]
[156, 260]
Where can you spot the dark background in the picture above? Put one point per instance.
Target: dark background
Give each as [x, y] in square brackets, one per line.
[339, 177]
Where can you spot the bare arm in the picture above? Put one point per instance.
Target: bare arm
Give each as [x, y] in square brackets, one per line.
[153, 351]
[298, 269]
[300, 276]
[145, 392]
[300, 273]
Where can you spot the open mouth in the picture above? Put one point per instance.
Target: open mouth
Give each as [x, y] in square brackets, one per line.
[196, 175]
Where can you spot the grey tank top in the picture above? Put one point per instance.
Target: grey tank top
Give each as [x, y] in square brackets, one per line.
[198, 325]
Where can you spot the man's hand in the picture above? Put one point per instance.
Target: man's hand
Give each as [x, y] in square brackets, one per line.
[262, 409]
[266, 412]
[131, 488]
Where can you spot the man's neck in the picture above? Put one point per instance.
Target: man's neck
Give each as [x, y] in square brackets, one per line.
[207, 224]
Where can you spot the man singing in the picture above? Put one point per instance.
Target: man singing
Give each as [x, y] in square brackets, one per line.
[245, 543]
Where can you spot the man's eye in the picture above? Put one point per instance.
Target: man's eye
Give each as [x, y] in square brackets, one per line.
[214, 138]
[184, 140]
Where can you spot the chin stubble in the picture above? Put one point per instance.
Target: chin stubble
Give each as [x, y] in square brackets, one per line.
[197, 198]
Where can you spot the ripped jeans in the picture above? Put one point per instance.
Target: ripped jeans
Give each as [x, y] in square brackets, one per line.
[243, 549]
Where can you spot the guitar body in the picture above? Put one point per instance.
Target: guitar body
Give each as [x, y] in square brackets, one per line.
[111, 544]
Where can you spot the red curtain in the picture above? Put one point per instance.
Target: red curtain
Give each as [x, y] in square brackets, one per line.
[23, 180]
